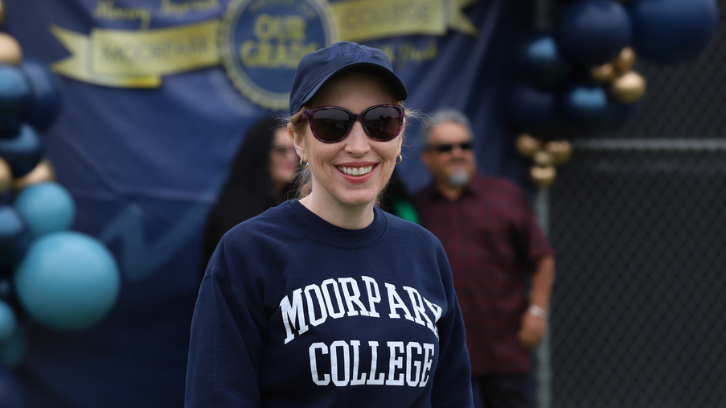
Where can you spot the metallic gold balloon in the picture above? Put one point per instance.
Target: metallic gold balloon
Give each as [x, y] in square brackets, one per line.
[10, 51]
[628, 88]
[527, 145]
[44, 171]
[6, 176]
[625, 61]
[543, 158]
[561, 151]
[603, 73]
[542, 177]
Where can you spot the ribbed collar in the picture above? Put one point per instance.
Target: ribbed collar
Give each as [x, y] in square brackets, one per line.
[309, 224]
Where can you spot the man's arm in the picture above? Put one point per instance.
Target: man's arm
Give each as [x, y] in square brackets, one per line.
[534, 321]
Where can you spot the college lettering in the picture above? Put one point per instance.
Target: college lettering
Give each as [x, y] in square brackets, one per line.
[409, 364]
[338, 298]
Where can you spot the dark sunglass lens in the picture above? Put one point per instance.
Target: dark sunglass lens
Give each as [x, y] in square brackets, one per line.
[383, 123]
[330, 125]
[444, 147]
[466, 145]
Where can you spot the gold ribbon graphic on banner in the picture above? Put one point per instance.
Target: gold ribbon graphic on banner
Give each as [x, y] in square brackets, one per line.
[138, 59]
[361, 20]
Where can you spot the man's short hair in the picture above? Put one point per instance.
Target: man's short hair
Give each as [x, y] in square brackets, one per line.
[445, 115]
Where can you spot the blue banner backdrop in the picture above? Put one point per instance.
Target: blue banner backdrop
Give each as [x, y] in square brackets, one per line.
[155, 102]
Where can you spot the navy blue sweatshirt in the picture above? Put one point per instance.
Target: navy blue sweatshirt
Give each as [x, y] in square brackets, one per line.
[296, 312]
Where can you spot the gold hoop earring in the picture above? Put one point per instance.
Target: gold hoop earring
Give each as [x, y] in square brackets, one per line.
[303, 164]
[399, 159]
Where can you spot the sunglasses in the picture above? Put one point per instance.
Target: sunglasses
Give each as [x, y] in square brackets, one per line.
[284, 150]
[332, 124]
[447, 147]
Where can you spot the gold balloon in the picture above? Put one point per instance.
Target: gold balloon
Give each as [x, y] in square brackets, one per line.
[603, 73]
[561, 151]
[527, 145]
[44, 171]
[543, 158]
[10, 51]
[542, 177]
[628, 88]
[625, 61]
[6, 176]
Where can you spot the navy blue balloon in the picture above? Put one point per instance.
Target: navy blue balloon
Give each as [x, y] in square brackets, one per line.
[15, 97]
[23, 151]
[46, 99]
[532, 110]
[11, 395]
[672, 31]
[543, 62]
[593, 32]
[586, 106]
[14, 236]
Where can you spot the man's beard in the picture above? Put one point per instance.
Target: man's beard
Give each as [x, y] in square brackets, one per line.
[459, 179]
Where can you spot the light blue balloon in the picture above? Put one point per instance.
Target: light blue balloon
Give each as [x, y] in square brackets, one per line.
[8, 322]
[46, 207]
[67, 281]
[13, 351]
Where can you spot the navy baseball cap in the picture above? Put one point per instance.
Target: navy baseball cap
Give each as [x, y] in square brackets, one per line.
[317, 67]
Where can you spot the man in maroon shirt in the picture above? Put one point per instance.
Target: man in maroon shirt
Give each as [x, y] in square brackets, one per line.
[494, 245]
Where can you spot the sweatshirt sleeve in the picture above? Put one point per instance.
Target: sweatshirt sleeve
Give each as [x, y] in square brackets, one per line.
[225, 346]
[452, 381]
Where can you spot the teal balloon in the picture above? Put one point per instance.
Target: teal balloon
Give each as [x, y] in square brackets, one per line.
[46, 207]
[13, 351]
[8, 322]
[67, 281]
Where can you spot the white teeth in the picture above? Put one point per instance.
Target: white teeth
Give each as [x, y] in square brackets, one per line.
[356, 171]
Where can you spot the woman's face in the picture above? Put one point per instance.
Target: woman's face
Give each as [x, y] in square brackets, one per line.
[353, 171]
[283, 159]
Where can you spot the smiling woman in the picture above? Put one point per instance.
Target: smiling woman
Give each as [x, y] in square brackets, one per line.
[325, 298]
[347, 174]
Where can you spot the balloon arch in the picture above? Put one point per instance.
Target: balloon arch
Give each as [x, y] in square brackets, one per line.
[578, 71]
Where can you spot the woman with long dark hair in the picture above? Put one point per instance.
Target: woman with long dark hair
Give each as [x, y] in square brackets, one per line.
[260, 177]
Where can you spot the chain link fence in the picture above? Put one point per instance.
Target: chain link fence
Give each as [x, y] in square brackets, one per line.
[638, 218]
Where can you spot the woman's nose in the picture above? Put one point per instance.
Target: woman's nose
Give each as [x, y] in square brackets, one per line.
[357, 141]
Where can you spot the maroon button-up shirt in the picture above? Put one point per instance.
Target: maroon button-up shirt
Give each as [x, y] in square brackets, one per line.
[493, 242]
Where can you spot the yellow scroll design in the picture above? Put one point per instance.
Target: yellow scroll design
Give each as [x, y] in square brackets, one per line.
[361, 20]
[139, 59]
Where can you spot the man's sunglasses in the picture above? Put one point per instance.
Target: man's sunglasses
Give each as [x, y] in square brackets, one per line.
[447, 147]
[332, 124]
